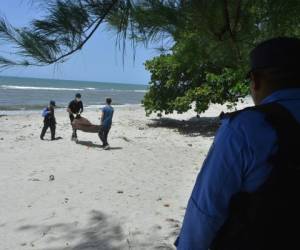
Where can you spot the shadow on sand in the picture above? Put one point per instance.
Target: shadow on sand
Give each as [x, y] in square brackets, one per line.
[203, 126]
[102, 232]
[93, 145]
[56, 139]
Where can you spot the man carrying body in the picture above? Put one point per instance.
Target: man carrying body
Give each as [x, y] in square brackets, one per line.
[75, 108]
[49, 121]
[246, 194]
[106, 120]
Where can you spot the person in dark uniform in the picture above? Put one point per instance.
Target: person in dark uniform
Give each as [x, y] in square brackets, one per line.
[75, 108]
[49, 121]
[107, 113]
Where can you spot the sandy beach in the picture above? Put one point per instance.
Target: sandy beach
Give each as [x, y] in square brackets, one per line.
[130, 197]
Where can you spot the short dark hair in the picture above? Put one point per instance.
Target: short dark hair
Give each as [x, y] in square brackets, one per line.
[78, 95]
[279, 78]
[108, 100]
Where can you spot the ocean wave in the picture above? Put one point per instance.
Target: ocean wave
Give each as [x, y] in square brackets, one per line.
[140, 90]
[38, 88]
[124, 90]
[22, 107]
[17, 87]
[4, 109]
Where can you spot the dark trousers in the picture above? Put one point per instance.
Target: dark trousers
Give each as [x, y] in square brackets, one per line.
[74, 134]
[52, 127]
[103, 133]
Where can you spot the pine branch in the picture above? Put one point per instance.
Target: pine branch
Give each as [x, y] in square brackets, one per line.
[56, 36]
[79, 47]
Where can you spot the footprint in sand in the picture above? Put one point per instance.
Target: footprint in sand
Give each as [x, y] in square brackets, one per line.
[173, 221]
[157, 227]
[175, 225]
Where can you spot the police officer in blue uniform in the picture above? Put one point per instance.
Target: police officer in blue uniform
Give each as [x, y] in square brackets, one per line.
[246, 194]
[107, 113]
[49, 120]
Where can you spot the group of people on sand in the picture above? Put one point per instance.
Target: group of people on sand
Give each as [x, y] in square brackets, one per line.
[246, 194]
[75, 109]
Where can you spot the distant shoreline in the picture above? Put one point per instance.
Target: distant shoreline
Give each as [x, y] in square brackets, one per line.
[16, 112]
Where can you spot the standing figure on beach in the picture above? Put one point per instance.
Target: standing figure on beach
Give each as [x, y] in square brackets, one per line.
[246, 194]
[75, 108]
[49, 121]
[107, 113]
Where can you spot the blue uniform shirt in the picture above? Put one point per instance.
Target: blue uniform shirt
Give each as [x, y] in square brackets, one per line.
[237, 161]
[108, 112]
[45, 112]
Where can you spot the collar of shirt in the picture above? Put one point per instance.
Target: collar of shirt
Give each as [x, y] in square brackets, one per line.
[285, 94]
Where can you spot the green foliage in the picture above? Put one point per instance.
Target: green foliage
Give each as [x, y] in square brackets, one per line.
[176, 86]
[209, 59]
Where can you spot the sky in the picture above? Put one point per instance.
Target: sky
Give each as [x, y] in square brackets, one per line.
[100, 60]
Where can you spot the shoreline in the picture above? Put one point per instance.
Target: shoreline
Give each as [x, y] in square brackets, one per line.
[247, 101]
[59, 109]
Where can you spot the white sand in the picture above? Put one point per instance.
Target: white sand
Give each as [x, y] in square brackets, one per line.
[130, 197]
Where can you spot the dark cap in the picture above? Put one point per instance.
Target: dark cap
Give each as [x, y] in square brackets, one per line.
[52, 103]
[78, 95]
[280, 53]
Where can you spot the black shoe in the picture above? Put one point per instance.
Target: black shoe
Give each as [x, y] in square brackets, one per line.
[42, 138]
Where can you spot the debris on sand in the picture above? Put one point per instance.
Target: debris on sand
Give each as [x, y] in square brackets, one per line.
[34, 179]
[125, 139]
